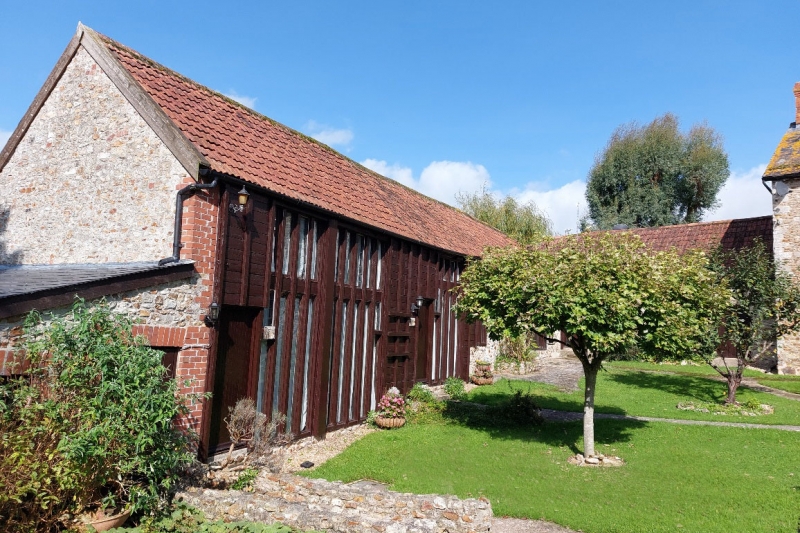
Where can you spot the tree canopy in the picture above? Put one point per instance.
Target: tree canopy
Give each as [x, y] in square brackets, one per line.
[523, 222]
[764, 306]
[655, 175]
[605, 291]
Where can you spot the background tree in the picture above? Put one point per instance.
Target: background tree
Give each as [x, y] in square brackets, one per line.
[605, 291]
[655, 175]
[523, 222]
[764, 306]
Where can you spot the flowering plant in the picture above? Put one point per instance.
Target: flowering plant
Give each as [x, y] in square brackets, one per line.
[392, 405]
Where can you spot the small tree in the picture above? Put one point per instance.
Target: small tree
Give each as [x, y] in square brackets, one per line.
[764, 306]
[656, 175]
[524, 223]
[605, 291]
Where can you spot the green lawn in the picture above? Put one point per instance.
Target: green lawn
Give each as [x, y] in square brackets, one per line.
[646, 394]
[677, 478]
[689, 369]
[787, 383]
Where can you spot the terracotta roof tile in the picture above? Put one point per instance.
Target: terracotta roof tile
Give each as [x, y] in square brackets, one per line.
[242, 143]
[732, 234]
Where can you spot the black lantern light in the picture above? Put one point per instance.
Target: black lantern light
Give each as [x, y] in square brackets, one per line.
[213, 314]
[242, 197]
[417, 305]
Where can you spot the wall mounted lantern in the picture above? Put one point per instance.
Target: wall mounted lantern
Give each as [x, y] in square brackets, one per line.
[417, 305]
[242, 197]
[213, 314]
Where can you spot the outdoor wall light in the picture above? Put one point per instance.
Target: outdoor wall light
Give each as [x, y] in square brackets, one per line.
[213, 314]
[243, 195]
[417, 305]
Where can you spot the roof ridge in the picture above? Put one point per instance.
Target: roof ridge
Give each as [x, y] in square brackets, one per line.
[145, 59]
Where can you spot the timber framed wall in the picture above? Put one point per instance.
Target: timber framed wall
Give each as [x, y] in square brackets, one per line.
[332, 308]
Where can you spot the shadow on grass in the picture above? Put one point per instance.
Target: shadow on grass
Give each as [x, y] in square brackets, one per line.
[699, 388]
[498, 393]
[504, 426]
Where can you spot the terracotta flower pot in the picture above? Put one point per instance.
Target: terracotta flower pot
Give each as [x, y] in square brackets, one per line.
[103, 522]
[385, 422]
[481, 381]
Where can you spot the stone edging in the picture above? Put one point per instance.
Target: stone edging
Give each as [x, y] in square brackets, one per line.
[334, 506]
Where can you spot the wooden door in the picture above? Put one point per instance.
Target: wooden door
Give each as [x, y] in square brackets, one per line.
[234, 377]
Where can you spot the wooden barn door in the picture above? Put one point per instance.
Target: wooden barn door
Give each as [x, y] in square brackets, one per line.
[234, 377]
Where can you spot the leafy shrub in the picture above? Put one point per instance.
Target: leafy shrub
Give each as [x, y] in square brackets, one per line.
[521, 409]
[186, 519]
[420, 393]
[245, 479]
[92, 423]
[454, 387]
[520, 349]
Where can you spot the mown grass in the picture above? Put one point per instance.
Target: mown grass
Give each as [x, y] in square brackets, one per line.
[786, 383]
[674, 368]
[677, 478]
[645, 394]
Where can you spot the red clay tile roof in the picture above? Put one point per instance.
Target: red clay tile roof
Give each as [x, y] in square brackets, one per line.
[785, 161]
[242, 143]
[732, 234]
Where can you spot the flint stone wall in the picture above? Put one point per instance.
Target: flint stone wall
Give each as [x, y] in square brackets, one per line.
[90, 182]
[171, 304]
[334, 506]
[786, 247]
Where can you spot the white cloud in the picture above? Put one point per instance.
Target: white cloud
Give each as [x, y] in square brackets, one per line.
[249, 101]
[441, 179]
[328, 135]
[4, 136]
[743, 196]
[563, 206]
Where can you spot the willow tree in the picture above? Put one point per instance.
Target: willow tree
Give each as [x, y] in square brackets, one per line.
[656, 175]
[605, 291]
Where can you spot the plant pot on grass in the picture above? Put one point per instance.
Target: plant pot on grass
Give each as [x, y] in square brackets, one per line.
[391, 411]
[483, 374]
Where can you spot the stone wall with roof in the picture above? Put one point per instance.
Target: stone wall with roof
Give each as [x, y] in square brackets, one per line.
[90, 182]
[786, 246]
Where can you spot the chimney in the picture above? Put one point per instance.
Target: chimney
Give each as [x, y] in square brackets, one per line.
[797, 102]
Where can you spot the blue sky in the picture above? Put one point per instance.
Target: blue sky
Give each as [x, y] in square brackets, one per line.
[445, 96]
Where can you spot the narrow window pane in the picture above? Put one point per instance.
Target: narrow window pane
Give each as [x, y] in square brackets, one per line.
[274, 244]
[347, 257]
[276, 384]
[380, 263]
[336, 262]
[342, 343]
[433, 351]
[366, 335]
[302, 247]
[293, 362]
[287, 241]
[360, 261]
[455, 342]
[369, 263]
[332, 355]
[269, 312]
[372, 399]
[378, 315]
[353, 361]
[314, 237]
[304, 411]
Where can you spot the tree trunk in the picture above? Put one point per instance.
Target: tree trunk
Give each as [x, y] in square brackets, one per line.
[734, 380]
[590, 375]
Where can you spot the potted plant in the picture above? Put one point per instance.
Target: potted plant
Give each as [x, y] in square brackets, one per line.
[391, 411]
[483, 373]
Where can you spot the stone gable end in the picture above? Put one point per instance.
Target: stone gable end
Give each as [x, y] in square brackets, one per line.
[90, 182]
